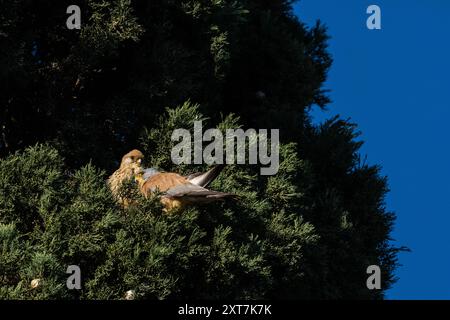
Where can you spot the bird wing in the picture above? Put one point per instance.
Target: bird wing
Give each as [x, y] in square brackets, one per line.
[163, 181]
[191, 193]
[177, 187]
[204, 179]
[191, 190]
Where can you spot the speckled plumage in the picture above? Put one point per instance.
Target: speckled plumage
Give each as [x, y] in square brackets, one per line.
[130, 166]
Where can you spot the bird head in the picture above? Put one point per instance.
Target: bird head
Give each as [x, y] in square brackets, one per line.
[133, 160]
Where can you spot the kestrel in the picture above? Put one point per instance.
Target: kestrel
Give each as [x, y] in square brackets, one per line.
[177, 190]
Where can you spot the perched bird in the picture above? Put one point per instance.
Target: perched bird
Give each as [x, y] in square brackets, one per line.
[130, 166]
[177, 190]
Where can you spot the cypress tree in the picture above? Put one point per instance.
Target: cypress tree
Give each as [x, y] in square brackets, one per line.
[74, 101]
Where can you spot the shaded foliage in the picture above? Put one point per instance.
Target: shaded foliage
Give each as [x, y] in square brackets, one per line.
[74, 101]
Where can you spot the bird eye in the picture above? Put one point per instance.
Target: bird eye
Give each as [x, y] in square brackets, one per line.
[139, 161]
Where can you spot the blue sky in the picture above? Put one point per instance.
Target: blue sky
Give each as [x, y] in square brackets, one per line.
[394, 84]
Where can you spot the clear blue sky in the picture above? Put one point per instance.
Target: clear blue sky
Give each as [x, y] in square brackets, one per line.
[394, 83]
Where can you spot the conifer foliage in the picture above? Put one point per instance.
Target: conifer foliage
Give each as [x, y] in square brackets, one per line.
[74, 101]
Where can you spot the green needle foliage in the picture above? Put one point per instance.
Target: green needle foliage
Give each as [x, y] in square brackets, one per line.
[74, 101]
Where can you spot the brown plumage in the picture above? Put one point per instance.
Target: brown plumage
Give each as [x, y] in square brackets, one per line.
[177, 191]
[130, 166]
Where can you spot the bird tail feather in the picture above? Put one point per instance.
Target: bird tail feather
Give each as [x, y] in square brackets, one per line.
[205, 179]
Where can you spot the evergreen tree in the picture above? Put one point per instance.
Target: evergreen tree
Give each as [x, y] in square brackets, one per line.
[74, 101]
